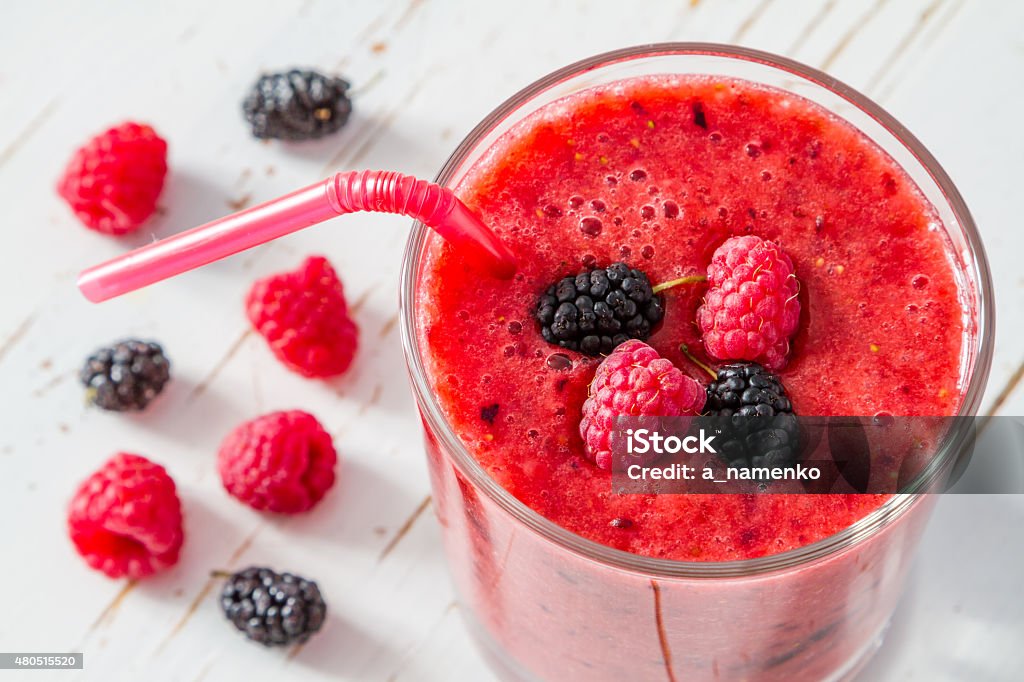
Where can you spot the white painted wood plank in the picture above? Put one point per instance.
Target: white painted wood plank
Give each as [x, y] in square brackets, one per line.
[427, 72]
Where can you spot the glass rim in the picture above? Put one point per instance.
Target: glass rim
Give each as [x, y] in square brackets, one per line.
[859, 531]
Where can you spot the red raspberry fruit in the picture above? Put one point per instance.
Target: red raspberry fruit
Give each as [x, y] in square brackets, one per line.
[113, 181]
[281, 462]
[304, 317]
[751, 309]
[125, 519]
[633, 381]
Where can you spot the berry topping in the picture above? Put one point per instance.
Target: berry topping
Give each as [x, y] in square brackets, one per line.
[489, 412]
[297, 105]
[113, 181]
[597, 310]
[304, 317]
[125, 376]
[274, 609]
[281, 462]
[633, 381]
[751, 310]
[125, 519]
[753, 416]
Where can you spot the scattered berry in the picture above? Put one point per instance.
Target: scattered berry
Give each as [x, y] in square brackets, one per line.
[597, 310]
[281, 462]
[125, 519]
[633, 381]
[304, 317]
[125, 376]
[751, 309]
[113, 181]
[273, 608]
[754, 418]
[297, 105]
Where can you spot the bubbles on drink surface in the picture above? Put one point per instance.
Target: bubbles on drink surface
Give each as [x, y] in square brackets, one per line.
[559, 361]
[591, 226]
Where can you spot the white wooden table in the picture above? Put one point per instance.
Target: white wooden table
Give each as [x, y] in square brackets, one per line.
[425, 72]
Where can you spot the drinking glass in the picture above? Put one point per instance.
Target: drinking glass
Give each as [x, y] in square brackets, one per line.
[546, 604]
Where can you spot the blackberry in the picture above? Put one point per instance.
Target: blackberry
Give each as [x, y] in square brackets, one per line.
[597, 310]
[753, 419]
[297, 105]
[125, 376]
[274, 609]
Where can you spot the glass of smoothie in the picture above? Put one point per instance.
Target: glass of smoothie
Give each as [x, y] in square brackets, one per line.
[654, 156]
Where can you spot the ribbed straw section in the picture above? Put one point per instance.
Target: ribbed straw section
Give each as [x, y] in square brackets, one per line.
[390, 192]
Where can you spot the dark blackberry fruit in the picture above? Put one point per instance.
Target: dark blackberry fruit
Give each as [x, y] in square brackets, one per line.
[274, 609]
[297, 105]
[597, 310]
[753, 419]
[125, 376]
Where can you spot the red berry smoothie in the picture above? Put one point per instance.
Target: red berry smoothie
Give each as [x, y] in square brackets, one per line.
[658, 172]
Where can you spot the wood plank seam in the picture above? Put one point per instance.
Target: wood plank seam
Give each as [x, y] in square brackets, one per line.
[16, 336]
[903, 45]
[373, 136]
[848, 37]
[28, 131]
[404, 529]
[1001, 398]
[415, 648]
[749, 22]
[406, 15]
[811, 27]
[201, 596]
[939, 27]
[204, 384]
[362, 38]
[53, 383]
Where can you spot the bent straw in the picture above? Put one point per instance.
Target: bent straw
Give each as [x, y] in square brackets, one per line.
[345, 192]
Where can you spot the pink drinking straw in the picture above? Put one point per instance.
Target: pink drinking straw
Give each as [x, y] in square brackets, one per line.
[346, 192]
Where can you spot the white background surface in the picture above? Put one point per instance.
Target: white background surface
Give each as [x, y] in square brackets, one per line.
[425, 72]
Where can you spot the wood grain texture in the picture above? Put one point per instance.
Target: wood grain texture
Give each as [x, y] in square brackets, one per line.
[424, 72]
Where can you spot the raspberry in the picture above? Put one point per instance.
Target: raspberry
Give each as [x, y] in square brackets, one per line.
[297, 105]
[113, 181]
[750, 310]
[304, 317]
[274, 609]
[125, 519]
[281, 462]
[633, 381]
[125, 376]
[597, 310]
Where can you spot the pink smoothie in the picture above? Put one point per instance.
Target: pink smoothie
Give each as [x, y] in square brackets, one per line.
[658, 172]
